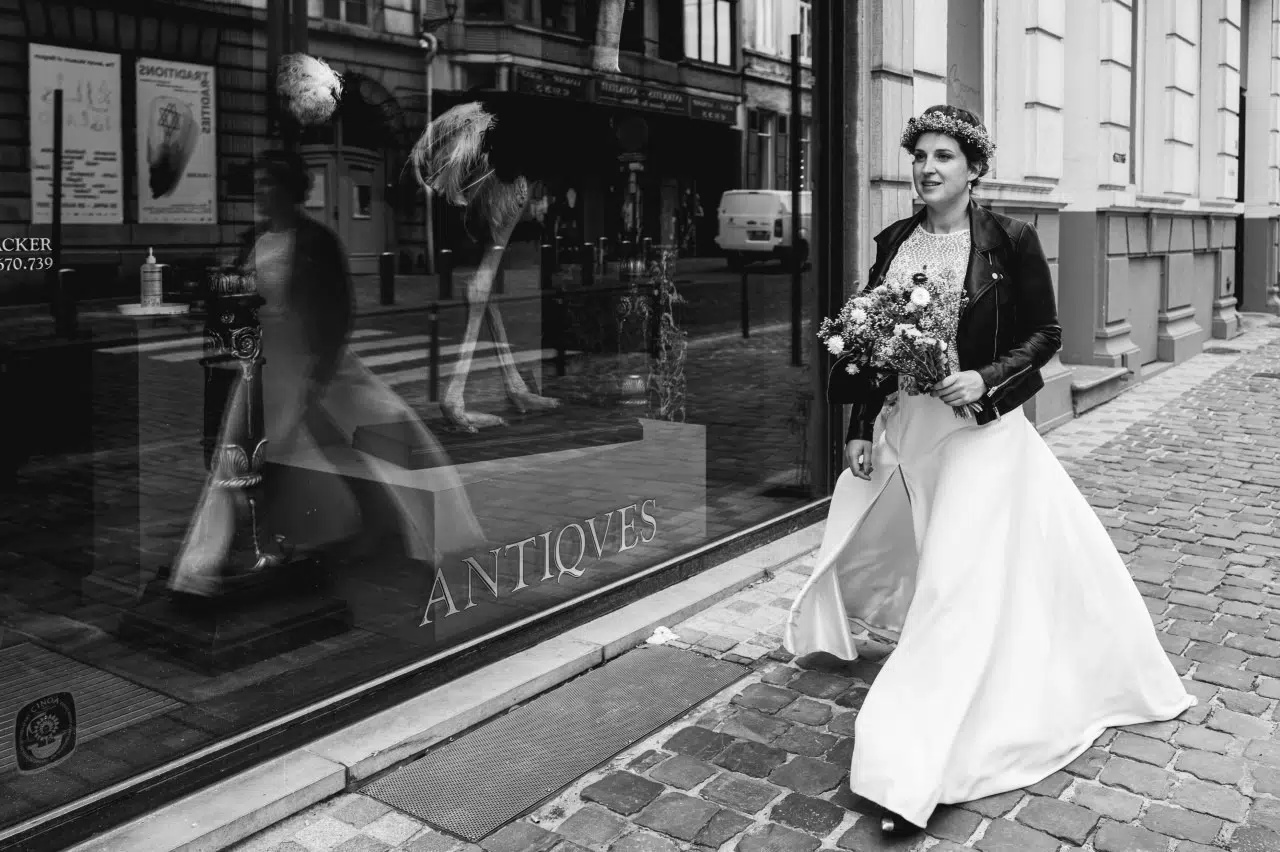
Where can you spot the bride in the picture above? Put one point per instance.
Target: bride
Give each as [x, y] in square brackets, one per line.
[315, 394]
[1020, 636]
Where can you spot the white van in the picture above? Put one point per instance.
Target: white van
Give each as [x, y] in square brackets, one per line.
[755, 224]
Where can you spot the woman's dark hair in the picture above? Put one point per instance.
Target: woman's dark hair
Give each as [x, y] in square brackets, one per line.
[289, 171]
[971, 151]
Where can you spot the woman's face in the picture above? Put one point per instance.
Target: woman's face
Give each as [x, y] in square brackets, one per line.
[940, 170]
[271, 197]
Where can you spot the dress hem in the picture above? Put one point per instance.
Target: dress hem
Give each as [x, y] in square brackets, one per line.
[1028, 779]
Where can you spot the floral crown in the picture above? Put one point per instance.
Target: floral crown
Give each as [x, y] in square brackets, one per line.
[940, 122]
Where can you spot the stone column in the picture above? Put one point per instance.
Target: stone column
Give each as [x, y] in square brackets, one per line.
[1258, 234]
[1220, 66]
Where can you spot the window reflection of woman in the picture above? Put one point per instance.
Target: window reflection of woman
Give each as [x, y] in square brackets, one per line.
[315, 394]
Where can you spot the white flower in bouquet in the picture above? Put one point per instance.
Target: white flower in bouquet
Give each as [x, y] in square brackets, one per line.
[835, 345]
[920, 297]
[858, 315]
[851, 368]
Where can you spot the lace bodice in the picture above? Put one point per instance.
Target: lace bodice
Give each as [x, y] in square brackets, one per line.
[935, 255]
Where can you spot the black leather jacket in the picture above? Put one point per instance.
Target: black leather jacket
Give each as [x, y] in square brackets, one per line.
[1008, 331]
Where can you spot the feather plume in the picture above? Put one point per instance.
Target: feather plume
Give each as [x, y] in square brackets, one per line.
[309, 87]
[453, 159]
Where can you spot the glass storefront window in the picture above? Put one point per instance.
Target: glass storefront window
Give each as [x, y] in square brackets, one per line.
[358, 428]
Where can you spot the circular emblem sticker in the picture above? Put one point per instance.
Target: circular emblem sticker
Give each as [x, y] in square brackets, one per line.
[45, 732]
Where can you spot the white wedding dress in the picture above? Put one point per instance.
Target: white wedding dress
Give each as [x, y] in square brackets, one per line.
[1020, 636]
[317, 511]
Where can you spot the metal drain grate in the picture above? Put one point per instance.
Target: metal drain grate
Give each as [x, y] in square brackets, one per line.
[1265, 376]
[1220, 350]
[483, 780]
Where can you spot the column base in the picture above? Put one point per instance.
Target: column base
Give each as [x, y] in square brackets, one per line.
[1226, 320]
[1051, 407]
[1180, 336]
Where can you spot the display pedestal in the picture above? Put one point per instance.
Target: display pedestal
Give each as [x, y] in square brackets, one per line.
[253, 620]
[569, 427]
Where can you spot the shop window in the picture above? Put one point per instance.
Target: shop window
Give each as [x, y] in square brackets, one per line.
[362, 199]
[759, 149]
[349, 11]
[632, 36]
[806, 30]
[708, 31]
[782, 154]
[486, 10]
[564, 16]
[766, 39]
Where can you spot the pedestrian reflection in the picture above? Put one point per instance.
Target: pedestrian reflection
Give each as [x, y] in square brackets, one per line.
[316, 491]
[484, 156]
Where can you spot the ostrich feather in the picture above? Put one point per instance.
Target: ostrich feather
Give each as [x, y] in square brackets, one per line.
[456, 157]
[309, 87]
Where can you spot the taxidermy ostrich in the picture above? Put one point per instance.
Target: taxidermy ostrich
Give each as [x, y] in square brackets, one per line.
[486, 156]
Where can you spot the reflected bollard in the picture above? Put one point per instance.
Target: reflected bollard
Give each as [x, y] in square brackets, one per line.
[444, 266]
[588, 264]
[547, 268]
[562, 322]
[65, 310]
[387, 277]
[434, 365]
[500, 274]
[745, 300]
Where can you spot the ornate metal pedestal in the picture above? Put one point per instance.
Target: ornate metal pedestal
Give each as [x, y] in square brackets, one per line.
[259, 600]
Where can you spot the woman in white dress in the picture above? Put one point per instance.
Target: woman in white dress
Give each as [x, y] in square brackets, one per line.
[1020, 636]
[316, 392]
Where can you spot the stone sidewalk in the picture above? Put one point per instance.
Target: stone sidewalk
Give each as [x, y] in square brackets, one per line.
[1184, 471]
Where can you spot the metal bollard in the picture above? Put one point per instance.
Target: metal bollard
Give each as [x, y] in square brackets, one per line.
[500, 274]
[546, 268]
[647, 256]
[745, 300]
[445, 268]
[387, 277]
[433, 367]
[604, 256]
[588, 264]
[65, 309]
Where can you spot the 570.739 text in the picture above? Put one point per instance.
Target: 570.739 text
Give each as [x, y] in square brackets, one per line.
[25, 264]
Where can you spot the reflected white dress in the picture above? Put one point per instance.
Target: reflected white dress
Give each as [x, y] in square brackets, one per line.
[313, 512]
[1020, 636]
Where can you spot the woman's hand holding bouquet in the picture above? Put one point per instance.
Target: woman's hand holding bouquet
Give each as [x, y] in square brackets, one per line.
[908, 328]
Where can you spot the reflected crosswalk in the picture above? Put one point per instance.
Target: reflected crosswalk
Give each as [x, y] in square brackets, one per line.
[395, 358]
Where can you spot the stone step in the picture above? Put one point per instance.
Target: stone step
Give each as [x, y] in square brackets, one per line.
[1093, 386]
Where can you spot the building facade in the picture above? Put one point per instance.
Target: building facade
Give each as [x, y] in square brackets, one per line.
[1139, 137]
[767, 72]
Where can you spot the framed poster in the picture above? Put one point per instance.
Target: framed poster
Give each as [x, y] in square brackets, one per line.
[177, 143]
[91, 142]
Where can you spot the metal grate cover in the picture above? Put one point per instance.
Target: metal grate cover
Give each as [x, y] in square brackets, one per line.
[483, 780]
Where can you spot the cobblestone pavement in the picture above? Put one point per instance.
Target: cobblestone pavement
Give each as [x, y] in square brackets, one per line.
[1185, 472]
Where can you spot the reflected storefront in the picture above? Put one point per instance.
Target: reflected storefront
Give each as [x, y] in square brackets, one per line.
[297, 500]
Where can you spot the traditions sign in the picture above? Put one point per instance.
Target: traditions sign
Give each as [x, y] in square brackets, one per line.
[91, 158]
[177, 154]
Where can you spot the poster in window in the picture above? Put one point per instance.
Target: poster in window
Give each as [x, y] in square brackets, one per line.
[91, 134]
[177, 152]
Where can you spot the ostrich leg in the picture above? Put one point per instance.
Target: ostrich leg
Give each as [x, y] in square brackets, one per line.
[517, 391]
[479, 289]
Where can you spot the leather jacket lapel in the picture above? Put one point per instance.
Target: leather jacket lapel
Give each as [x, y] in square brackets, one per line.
[986, 235]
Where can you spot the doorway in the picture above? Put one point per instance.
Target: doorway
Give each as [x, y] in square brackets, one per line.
[348, 194]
